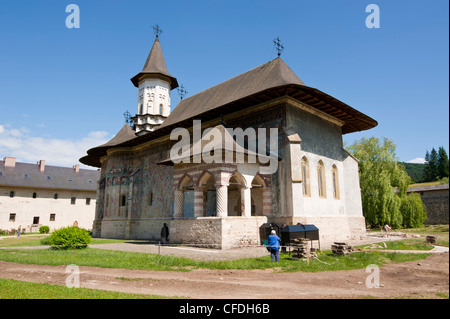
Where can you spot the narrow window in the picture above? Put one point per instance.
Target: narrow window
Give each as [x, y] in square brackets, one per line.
[12, 217]
[11, 194]
[305, 177]
[150, 198]
[73, 200]
[321, 180]
[335, 182]
[161, 109]
[88, 201]
[52, 217]
[34, 195]
[55, 196]
[123, 200]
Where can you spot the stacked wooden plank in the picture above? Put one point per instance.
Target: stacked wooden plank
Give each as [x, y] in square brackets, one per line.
[340, 248]
[301, 249]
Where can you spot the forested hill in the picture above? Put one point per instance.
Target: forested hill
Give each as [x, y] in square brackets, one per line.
[415, 171]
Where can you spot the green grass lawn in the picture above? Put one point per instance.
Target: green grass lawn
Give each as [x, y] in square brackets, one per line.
[131, 260]
[14, 289]
[36, 240]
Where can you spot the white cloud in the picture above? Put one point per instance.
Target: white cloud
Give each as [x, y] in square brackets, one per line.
[419, 160]
[61, 152]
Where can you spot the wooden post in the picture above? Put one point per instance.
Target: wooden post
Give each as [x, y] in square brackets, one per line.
[307, 253]
[159, 248]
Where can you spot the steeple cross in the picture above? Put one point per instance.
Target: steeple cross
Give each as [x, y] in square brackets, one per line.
[181, 91]
[157, 30]
[278, 46]
[127, 117]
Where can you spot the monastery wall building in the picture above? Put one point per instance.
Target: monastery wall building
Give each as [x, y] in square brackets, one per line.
[259, 148]
[34, 195]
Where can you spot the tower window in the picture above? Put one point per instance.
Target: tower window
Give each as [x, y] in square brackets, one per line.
[161, 109]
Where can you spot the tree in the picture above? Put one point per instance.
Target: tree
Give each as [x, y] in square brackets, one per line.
[437, 166]
[443, 164]
[413, 211]
[379, 172]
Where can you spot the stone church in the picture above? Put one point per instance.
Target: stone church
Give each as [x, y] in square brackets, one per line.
[224, 203]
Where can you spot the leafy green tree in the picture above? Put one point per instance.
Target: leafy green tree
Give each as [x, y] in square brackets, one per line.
[443, 164]
[413, 211]
[379, 172]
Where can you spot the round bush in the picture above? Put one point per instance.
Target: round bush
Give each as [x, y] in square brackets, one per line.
[44, 229]
[70, 237]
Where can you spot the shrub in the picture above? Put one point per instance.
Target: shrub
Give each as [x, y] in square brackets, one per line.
[413, 211]
[70, 237]
[44, 229]
[46, 241]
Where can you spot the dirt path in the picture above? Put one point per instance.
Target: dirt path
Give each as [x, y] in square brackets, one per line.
[422, 278]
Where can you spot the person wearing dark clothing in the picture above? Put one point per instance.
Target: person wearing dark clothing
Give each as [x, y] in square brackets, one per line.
[274, 245]
[165, 234]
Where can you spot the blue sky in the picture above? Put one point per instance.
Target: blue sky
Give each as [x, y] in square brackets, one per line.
[64, 90]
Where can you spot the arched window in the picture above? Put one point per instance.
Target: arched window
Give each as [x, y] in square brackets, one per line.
[305, 177]
[335, 182]
[321, 180]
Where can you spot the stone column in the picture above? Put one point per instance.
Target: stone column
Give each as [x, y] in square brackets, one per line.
[293, 177]
[178, 204]
[246, 201]
[199, 199]
[222, 200]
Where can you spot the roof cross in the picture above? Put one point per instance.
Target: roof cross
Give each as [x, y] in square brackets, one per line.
[181, 91]
[157, 30]
[278, 45]
[127, 116]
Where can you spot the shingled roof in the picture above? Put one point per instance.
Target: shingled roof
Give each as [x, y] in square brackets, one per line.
[52, 177]
[155, 65]
[269, 75]
[269, 81]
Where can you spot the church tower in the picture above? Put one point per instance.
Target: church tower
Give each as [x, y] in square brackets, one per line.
[154, 83]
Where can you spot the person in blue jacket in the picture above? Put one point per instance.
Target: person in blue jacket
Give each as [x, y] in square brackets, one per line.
[274, 245]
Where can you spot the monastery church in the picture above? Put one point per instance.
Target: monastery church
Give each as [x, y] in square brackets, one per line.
[225, 204]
